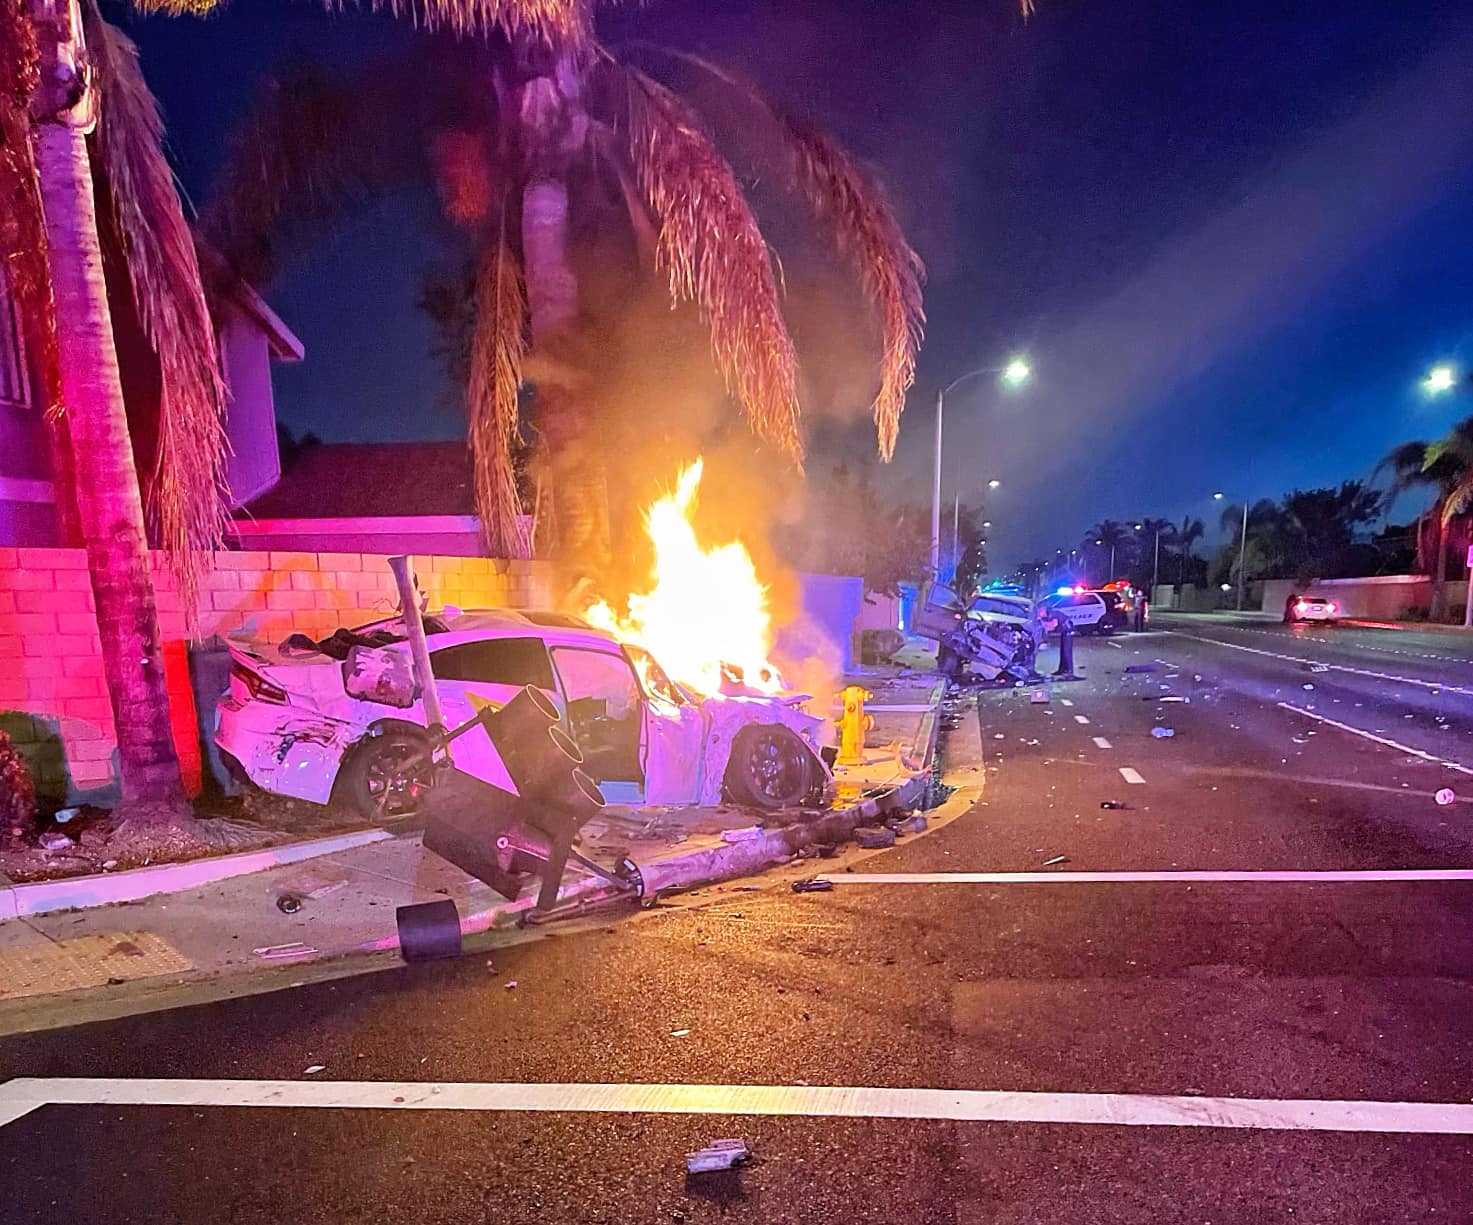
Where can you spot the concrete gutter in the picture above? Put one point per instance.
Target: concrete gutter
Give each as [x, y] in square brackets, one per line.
[104, 889]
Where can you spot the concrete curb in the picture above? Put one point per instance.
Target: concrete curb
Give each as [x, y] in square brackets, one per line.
[105, 889]
[1431, 627]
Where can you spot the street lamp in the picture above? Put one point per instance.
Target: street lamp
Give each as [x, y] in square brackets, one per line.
[1155, 560]
[1014, 374]
[1440, 379]
[1242, 551]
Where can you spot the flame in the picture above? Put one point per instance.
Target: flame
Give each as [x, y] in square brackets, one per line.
[706, 615]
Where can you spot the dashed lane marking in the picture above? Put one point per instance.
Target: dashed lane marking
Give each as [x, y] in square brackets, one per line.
[1440, 686]
[1102, 743]
[1131, 775]
[1382, 740]
[1080, 719]
[853, 1102]
[1065, 702]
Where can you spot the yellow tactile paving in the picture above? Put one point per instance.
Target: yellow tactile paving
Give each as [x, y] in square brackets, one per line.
[51, 966]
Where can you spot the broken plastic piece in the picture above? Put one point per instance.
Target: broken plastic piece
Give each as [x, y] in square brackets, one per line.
[1446, 796]
[812, 884]
[718, 1155]
[1163, 733]
[1057, 859]
[1140, 667]
[1114, 804]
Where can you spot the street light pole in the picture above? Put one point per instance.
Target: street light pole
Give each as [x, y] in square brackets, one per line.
[1243, 557]
[1156, 565]
[1015, 373]
[936, 489]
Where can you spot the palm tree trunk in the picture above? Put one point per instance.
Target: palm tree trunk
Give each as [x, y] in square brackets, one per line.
[1437, 610]
[109, 505]
[574, 463]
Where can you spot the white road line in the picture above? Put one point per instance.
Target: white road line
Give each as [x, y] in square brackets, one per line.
[1383, 740]
[1080, 719]
[17, 1107]
[1299, 659]
[1267, 876]
[1065, 702]
[1131, 775]
[854, 1102]
[1102, 743]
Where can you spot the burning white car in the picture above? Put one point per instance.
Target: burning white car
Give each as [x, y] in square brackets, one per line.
[290, 725]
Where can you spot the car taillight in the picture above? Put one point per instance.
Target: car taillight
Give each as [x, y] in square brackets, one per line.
[1334, 607]
[1300, 606]
[257, 685]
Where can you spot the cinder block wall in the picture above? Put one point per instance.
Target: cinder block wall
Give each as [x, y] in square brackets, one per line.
[53, 699]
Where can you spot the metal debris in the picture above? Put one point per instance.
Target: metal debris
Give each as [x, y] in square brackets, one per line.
[812, 884]
[718, 1155]
[1056, 860]
[1163, 733]
[1141, 667]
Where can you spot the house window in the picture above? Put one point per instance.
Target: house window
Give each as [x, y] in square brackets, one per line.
[15, 386]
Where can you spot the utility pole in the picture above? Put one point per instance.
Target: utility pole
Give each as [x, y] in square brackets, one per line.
[1243, 557]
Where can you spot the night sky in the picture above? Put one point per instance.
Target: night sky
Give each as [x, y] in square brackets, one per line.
[1229, 236]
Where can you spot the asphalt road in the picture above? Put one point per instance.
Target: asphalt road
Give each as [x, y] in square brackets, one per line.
[1346, 989]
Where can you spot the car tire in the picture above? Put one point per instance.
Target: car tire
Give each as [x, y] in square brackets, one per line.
[770, 768]
[372, 782]
[1103, 629]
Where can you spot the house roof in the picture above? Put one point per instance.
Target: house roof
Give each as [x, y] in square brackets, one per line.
[370, 480]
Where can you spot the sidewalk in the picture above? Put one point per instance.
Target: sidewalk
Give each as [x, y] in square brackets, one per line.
[347, 898]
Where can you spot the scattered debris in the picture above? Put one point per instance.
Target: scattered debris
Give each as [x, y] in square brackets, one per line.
[511, 984]
[277, 952]
[1116, 805]
[1038, 696]
[1446, 796]
[289, 903]
[912, 824]
[1306, 685]
[718, 1155]
[1163, 733]
[869, 838]
[679, 1033]
[63, 815]
[54, 840]
[745, 834]
[811, 884]
[1174, 698]
[109, 864]
[1141, 668]
[1319, 667]
[314, 1069]
[1056, 860]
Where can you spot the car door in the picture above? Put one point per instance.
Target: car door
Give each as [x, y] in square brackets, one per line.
[939, 613]
[604, 707]
[473, 674]
[675, 736]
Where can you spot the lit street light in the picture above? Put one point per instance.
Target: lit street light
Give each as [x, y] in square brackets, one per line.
[1440, 379]
[1242, 551]
[1014, 375]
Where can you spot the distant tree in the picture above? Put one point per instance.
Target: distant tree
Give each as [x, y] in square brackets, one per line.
[1190, 531]
[1318, 528]
[1151, 535]
[1444, 467]
[1113, 544]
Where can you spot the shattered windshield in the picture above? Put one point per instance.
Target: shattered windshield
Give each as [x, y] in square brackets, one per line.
[654, 679]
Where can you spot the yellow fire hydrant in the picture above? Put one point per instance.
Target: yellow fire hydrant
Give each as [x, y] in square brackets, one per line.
[853, 724]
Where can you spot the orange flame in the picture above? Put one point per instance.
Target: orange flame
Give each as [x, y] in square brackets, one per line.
[707, 613]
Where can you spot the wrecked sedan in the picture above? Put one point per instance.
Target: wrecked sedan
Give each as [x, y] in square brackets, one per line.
[290, 726]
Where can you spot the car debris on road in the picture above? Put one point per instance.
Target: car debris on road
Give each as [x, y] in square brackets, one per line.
[718, 1155]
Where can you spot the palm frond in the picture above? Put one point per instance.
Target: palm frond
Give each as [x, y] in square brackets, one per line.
[710, 247]
[862, 226]
[890, 272]
[497, 347]
[550, 21]
[179, 8]
[23, 259]
[187, 496]
[1459, 498]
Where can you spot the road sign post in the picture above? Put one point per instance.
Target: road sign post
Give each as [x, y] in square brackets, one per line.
[1468, 597]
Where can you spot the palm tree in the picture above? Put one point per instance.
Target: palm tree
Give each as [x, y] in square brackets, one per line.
[535, 138]
[1109, 536]
[82, 135]
[1190, 531]
[1446, 468]
[1155, 530]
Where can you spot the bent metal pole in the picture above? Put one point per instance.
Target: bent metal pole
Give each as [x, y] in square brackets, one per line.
[419, 651]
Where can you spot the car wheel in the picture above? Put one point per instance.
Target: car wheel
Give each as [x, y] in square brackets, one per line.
[382, 779]
[770, 767]
[947, 661]
[1104, 628]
